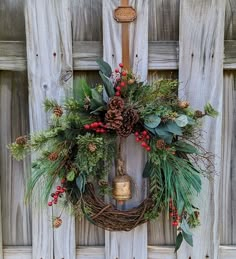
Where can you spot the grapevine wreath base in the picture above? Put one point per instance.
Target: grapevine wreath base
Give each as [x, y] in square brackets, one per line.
[108, 217]
[84, 139]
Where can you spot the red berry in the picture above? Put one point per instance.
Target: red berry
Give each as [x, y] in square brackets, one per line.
[144, 133]
[148, 148]
[58, 188]
[117, 93]
[175, 223]
[95, 124]
[137, 139]
[57, 193]
[122, 84]
[147, 137]
[144, 144]
[123, 73]
[61, 191]
[102, 130]
[121, 65]
[100, 123]
[136, 134]
[171, 214]
[50, 203]
[118, 88]
[87, 126]
[56, 196]
[117, 70]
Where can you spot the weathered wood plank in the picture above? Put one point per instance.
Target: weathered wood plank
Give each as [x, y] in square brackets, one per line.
[134, 243]
[16, 224]
[12, 23]
[17, 252]
[87, 48]
[227, 252]
[163, 20]
[230, 20]
[162, 55]
[50, 76]
[201, 73]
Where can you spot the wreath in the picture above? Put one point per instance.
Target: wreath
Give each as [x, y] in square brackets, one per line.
[84, 142]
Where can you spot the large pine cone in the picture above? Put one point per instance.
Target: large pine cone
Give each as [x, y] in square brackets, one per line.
[116, 103]
[113, 119]
[130, 117]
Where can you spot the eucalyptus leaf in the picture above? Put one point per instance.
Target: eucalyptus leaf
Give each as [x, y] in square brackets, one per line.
[188, 238]
[80, 182]
[185, 227]
[191, 121]
[70, 176]
[150, 129]
[181, 121]
[185, 147]
[147, 170]
[105, 96]
[107, 84]
[152, 121]
[179, 240]
[104, 67]
[174, 128]
[97, 97]
[163, 133]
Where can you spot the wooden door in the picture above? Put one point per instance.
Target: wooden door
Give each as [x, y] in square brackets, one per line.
[192, 40]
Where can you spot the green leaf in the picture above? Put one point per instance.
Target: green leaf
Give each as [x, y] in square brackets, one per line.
[210, 111]
[147, 170]
[99, 109]
[108, 85]
[97, 97]
[191, 121]
[70, 176]
[174, 128]
[104, 67]
[81, 90]
[185, 227]
[80, 182]
[185, 147]
[163, 133]
[181, 121]
[152, 121]
[179, 240]
[188, 238]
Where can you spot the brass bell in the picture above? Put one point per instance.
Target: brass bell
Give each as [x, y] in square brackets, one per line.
[122, 188]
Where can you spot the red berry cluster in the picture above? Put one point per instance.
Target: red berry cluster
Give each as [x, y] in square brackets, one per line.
[98, 127]
[120, 83]
[58, 194]
[143, 138]
[174, 214]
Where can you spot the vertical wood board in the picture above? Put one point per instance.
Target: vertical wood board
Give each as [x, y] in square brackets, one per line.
[133, 244]
[16, 215]
[50, 76]
[201, 74]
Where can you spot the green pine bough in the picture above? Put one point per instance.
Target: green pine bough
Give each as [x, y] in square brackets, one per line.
[80, 145]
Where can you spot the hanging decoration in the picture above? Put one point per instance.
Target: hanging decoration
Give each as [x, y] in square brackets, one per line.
[84, 141]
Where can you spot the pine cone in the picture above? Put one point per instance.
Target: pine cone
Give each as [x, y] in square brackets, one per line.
[160, 144]
[199, 114]
[58, 111]
[113, 119]
[130, 117]
[92, 147]
[22, 140]
[57, 222]
[116, 103]
[53, 156]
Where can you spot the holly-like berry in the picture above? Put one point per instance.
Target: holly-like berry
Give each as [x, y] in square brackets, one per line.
[121, 65]
[118, 88]
[144, 133]
[87, 127]
[117, 70]
[58, 188]
[137, 139]
[123, 73]
[148, 148]
[144, 144]
[136, 134]
[50, 203]
[122, 84]
[117, 93]
[175, 223]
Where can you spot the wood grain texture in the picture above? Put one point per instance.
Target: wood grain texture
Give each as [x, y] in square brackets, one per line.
[201, 73]
[163, 21]
[12, 22]
[230, 20]
[87, 20]
[50, 76]
[133, 244]
[16, 224]
[87, 27]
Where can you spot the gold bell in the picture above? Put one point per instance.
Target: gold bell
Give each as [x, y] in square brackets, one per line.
[122, 188]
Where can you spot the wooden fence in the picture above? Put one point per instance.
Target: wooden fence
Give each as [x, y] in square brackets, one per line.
[45, 44]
